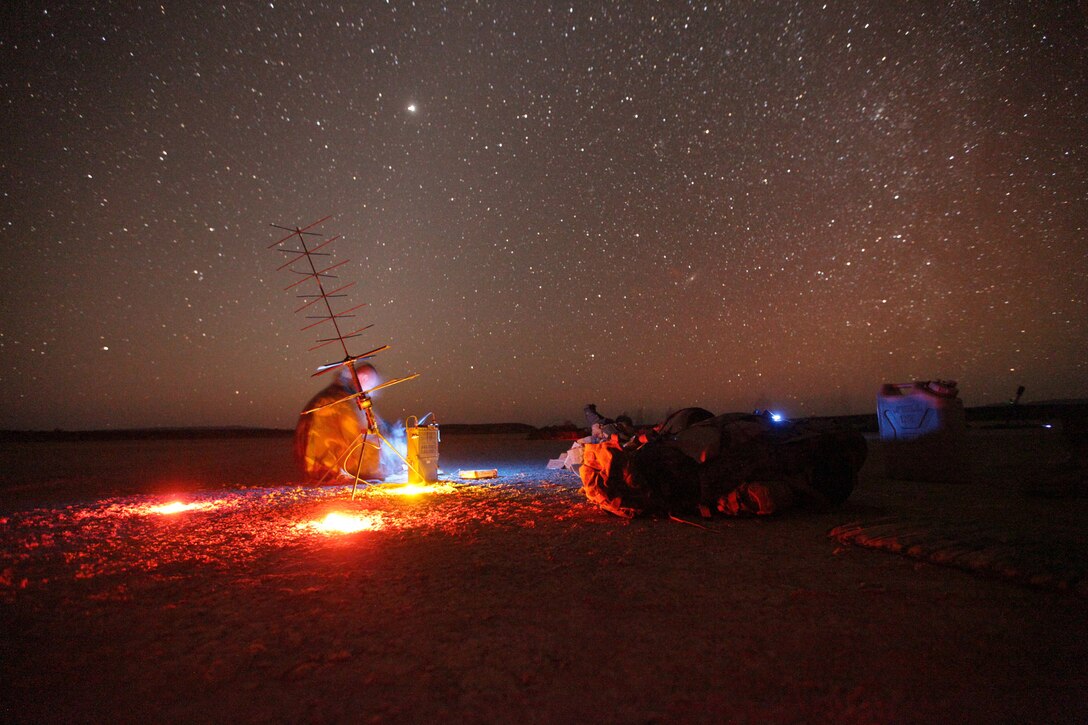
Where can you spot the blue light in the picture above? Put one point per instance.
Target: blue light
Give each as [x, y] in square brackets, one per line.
[777, 417]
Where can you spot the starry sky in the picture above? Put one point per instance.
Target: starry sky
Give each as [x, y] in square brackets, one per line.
[646, 205]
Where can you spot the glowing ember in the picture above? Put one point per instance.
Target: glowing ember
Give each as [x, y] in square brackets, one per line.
[177, 507]
[338, 523]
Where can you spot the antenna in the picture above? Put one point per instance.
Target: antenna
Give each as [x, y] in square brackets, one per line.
[309, 259]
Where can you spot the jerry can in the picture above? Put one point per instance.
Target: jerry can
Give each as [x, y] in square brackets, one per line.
[922, 430]
[422, 450]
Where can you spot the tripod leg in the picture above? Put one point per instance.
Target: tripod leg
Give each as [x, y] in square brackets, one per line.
[359, 467]
[359, 444]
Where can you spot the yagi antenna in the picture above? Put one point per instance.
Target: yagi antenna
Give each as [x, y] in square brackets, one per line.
[302, 262]
[308, 258]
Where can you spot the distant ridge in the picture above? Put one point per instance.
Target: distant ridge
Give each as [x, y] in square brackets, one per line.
[999, 412]
[486, 428]
[16, 436]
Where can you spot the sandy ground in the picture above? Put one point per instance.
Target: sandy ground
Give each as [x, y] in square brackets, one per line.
[509, 599]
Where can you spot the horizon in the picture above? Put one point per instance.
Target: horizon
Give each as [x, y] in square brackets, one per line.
[1007, 405]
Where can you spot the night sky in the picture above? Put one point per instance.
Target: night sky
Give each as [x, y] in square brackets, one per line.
[642, 205]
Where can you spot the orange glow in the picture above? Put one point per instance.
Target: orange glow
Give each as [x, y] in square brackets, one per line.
[338, 523]
[177, 507]
[414, 489]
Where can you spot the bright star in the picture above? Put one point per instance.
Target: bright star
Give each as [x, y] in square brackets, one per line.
[411, 108]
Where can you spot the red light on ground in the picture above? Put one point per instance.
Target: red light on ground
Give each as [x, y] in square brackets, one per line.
[338, 523]
[175, 507]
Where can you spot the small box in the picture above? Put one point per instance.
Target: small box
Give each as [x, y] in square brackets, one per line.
[479, 473]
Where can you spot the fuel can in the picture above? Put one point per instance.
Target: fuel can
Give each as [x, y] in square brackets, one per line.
[922, 431]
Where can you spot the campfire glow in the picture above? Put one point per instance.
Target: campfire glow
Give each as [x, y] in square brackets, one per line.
[338, 523]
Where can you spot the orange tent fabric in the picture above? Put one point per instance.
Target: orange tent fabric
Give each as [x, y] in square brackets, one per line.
[329, 443]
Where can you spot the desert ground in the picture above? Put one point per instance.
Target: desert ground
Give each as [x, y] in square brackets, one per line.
[513, 599]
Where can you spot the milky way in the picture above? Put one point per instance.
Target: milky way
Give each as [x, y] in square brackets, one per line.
[642, 205]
